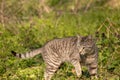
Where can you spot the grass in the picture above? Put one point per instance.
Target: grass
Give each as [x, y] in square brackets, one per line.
[31, 35]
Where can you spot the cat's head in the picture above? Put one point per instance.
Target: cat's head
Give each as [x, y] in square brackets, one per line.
[85, 44]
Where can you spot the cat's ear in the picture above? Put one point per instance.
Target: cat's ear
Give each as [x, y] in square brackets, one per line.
[86, 38]
[79, 38]
[90, 37]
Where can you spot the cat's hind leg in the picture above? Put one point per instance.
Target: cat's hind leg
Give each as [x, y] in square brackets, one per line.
[51, 68]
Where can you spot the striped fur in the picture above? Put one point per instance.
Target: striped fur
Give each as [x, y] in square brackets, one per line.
[76, 50]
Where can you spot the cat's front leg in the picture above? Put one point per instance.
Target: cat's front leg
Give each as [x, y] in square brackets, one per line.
[77, 66]
[93, 71]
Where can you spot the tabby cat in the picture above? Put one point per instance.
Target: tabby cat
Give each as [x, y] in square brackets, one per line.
[77, 50]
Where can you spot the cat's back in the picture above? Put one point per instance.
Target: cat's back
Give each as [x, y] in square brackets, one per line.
[61, 45]
[60, 48]
[61, 42]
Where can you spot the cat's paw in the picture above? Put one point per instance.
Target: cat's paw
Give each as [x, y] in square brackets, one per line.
[94, 77]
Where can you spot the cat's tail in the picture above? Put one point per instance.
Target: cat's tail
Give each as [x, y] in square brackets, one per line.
[28, 54]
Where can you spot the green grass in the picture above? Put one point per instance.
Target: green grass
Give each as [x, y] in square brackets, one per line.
[26, 37]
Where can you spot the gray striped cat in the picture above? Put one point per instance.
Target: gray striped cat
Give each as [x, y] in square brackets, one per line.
[76, 50]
